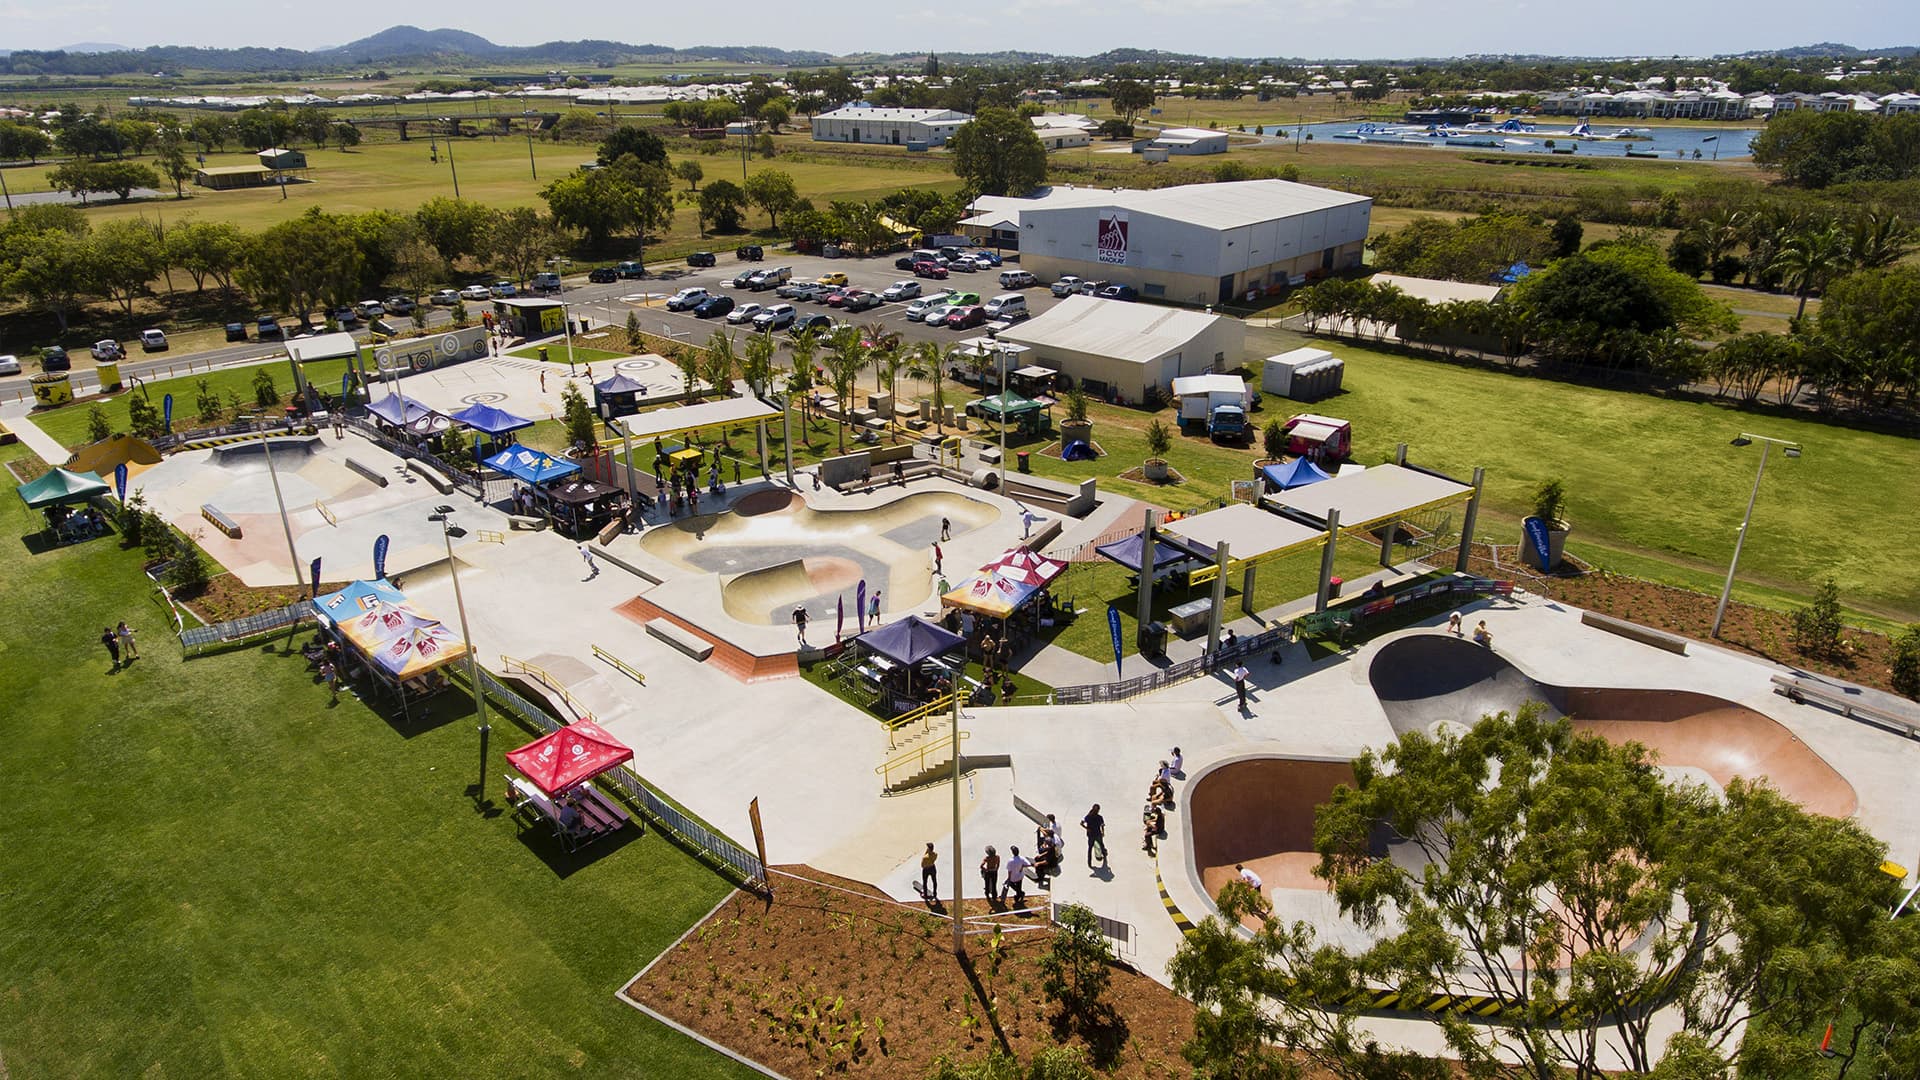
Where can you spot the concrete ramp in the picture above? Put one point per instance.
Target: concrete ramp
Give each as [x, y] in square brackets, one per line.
[1259, 811]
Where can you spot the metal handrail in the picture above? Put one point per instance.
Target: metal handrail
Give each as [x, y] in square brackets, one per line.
[918, 755]
[508, 665]
[623, 667]
[326, 513]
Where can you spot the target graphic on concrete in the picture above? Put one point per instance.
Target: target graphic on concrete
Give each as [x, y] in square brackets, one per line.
[486, 398]
[638, 363]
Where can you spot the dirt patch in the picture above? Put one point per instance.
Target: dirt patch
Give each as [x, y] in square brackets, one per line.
[1760, 632]
[832, 977]
[1139, 476]
[227, 597]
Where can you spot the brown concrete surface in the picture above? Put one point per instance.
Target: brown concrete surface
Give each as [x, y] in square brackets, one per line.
[1260, 812]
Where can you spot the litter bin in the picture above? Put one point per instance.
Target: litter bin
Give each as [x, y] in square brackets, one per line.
[1024, 467]
[1333, 587]
[543, 354]
[1155, 643]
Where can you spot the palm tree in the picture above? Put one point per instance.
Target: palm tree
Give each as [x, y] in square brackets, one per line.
[847, 355]
[930, 362]
[1808, 259]
[689, 360]
[881, 340]
[804, 345]
[756, 363]
[1876, 240]
[718, 370]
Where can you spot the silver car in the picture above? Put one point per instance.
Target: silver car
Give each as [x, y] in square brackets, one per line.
[744, 313]
[937, 315]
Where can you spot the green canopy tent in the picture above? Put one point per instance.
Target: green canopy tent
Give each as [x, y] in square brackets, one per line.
[60, 487]
[1029, 415]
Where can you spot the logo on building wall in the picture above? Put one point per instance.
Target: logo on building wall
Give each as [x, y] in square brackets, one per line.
[1111, 242]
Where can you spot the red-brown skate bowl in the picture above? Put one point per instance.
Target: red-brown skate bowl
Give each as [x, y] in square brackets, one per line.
[1259, 812]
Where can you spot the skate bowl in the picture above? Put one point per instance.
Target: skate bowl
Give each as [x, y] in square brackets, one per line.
[1431, 682]
[778, 552]
[254, 451]
[1258, 811]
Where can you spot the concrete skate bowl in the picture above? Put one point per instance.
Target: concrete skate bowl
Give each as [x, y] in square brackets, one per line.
[293, 452]
[1258, 811]
[1428, 682]
[773, 555]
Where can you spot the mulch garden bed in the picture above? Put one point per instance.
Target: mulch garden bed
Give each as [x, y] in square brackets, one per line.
[227, 597]
[832, 977]
[1138, 475]
[1865, 659]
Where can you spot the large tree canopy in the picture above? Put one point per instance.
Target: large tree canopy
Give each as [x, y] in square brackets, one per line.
[997, 153]
[638, 141]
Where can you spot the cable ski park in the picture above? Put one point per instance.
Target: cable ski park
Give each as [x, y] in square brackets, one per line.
[623, 560]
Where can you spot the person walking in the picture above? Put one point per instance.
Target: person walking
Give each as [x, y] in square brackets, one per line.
[937, 557]
[1240, 674]
[112, 641]
[543, 380]
[1016, 878]
[593, 568]
[990, 873]
[946, 529]
[873, 607]
[127, 646]
[930, 874]
[800, 622]
[1096, 830]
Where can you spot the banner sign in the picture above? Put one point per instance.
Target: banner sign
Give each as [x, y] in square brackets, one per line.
[380, 557]
[120, 480]
[1536, 531]
[316, 575]
[1113, 628]
[1111, 240]
[860, 605]
[166, 412]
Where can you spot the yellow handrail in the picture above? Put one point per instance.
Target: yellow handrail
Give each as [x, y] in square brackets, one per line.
[939, 704]
[916, 757]
[625, 668]
[508, 664]
[326, 513]
[490, 536]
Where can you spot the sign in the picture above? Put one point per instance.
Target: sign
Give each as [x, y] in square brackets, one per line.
[422, 354]
[1536, 531]
[120, 480]
[316, 575]
[759, 837]
[1113, 628]
[860, 605]
[553, 319]
[1111, 240]
[380, 556]
[166, 412]
[346, 386]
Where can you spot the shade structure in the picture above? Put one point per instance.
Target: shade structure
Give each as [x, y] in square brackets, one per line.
[357, 599]
[1008, 405]
[1127, 551]
[911, 640]
[1025, 566]
[403, 641]
[619, 384]
[570, 756]
[400, 411]
[488, 420]
[1296, 473]
[116, 450]
[61, 486]
[582, 492]
[530, 466]
[1004, 584]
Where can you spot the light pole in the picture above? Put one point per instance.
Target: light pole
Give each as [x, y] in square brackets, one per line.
[959, 925]
[266, 445]
[531, 166]
[1792, 450]
[1002, 351]
[450, 164]
[444, 515]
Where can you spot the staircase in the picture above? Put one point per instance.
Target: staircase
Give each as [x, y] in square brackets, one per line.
[920, 757]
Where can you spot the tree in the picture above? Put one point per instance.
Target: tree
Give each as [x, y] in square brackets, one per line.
[1470, 249]
[1809, 259]
[1565, 234]
[598, 202]
[310, 261]
[172, 161]
[457, 228]
[98, 426]
[756, 362]
[721, 204]
[1818, 626]
[776, 114]
[1616, 306]
[522, 240]
[642, 144]
[997, 153]
[418, 266]
[717, 366]
[1870, 321]
[1130, 98]
[48, 269]
[690, 369]
[846, 355]
[577, 416]
[1820, 149]
[207, 249]
[774, 192]
[123, 257]
[1905, 668]
[690, 171]
[22, 142]
[1159, 439]
[1074, 975]
[345, 135]
[1273, 439]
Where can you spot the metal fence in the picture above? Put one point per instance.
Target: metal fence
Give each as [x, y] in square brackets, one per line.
[250, 626]
[1162, 678]
[744, 864]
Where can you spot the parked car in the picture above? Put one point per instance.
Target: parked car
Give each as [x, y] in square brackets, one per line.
[345, 316]
[777, 317]
[835, 279]
[687, 299]
[55, 358]
[987, 258]
[399, 305]
[917, 311]
[932, 270]
[817, 323]
[505, 289]
[937, 315]
[443, 298]
[603, 275]
[268, 328]
[153, 339]
[863, 300]
[769, 279]
[9, 364]
[742, 280]
[1016, 279]
[236, 331]
[905, 262]
[1066, 285]
[701, 258]
[712, 306]
[545, 281]
[744, 313]
[107, 349]
[749, 253]
[901, 290]
[950, 253]
[1119, 292]
[1092, 288]
[963, 299]
[1008, 306]
[476, 292]
[839, 297]
[966, 317]
[963, 265]
[630, 269]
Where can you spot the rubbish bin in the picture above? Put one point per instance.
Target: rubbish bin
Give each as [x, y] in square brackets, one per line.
[1155, 643]
[543, 354]
[1024, 467]
[1333, 587]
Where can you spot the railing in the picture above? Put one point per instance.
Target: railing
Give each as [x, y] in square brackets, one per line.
[1167, 676]
[326, 513]
[917, 757]
[746, 866]
[240, 629]
[490, 536]
[512, 666]
[619, 665]
[466, 481]
[937, 705]
[1342, 624]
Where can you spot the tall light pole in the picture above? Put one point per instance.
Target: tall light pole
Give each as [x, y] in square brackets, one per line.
[450, 164]
[1792, 450]
[266, 444]
[1003, 353]
[444, 515]
[531, 166]
[959, 924]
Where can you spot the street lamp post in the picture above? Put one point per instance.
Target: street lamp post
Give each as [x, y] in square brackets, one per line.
[450, 164]
[444, 515]
[266, 445]
[959, 925]
[1792, 450]
[1003, 353]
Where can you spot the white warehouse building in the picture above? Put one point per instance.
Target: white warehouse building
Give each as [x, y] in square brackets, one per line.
[891, 127]
[1195, 244]
[1190, 141]
[1116, 349]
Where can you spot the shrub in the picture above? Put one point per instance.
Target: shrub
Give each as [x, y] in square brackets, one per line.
[1076, 406]
[98, 427]
[459, 313]
[635, 339]
[1274, 439]
[189, 569]
[581, 429]
[142, 417]
[1906, 663]
[1159, 439]
[1816, 627]
[206, 401]
[1075, 969]
[1548, 501]
[265, 392]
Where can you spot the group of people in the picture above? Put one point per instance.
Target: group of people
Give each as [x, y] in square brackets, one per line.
[1481, 635]
[71, 525]
[678, 485]
[1153, 815]
[119, 643]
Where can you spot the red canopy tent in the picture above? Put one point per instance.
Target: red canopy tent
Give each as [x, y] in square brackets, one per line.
[576, 753]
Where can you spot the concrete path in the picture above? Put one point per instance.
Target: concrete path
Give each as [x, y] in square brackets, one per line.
[41, 443]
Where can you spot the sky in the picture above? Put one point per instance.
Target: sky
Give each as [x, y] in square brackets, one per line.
[1322, 28]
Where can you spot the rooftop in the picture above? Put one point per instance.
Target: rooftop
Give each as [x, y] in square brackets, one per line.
[1220, 206]
[1382, 493]
[1116, 328]
[1435, 291]
[868, 112]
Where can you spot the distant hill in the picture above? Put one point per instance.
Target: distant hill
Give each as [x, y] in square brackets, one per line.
[93, 47]
[396, 42]
[1833, 50]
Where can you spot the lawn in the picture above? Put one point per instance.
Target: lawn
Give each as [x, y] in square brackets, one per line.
[68, 423]
[221, 875]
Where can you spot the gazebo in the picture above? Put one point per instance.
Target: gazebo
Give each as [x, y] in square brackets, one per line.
[617, 395]
[557, 768]
[900, 650]
[583, 506]
[1029, 415]
[57, 490]
[399, 646]
[491, 422]
[1006, 589]
[1299, 472]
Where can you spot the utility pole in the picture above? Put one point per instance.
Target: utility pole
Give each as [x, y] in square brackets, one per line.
[450, 164]
[959, 925]
[531, 167]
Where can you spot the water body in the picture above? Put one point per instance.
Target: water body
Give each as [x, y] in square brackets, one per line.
[1668, 143]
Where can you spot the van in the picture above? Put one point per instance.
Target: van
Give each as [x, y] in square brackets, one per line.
[919, 308]
[545, 282]
[1007, 306]
[1016, 279]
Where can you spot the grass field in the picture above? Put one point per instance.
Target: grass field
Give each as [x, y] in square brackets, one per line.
[226, 876]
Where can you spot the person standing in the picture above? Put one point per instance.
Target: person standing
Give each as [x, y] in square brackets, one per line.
[593, 568]
[330, 675]
[1096, 830]
[1016, 878]
[930, 873]
[990, 873]
[989, 649]
[543, 380]
[1240, 674]
[112, 641]
[800, 622]
[873, 607]
[127, 646]
[946, 529]
[937, 557]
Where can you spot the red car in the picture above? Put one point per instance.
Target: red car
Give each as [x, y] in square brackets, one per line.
[841, 297]
[932, 270]
[967, 318]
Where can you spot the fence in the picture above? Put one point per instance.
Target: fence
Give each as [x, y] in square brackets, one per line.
[744, 864]
[1167, 676]
[241, 629]
[463, 480]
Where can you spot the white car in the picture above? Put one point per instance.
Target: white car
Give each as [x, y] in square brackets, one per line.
[777, 317]
[900, 290]
[744, 313]
[153, 340]
[443, 298]
[938, 314]
[687, 299]
[1067, 285]
[370, 309]
[476, 292]
[917, 311]
[9, 364]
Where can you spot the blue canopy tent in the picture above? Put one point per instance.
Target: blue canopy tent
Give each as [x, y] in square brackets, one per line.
[534, 467]
[357, 599]
[399, 411]
[1126, 552]
[491, 421]
[911, 640]
[617, 395]
[1296, 473]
